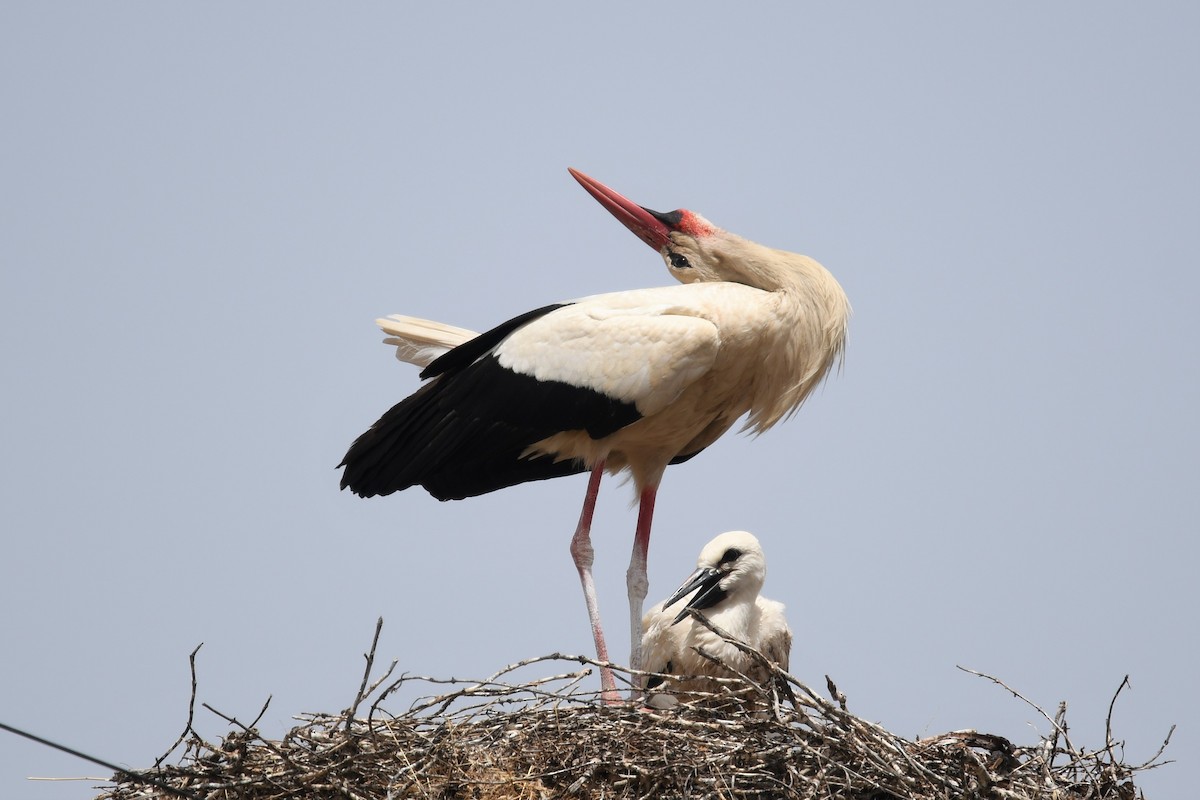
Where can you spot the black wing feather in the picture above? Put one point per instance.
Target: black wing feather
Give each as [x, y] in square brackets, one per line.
[468, 352]
[464, 432]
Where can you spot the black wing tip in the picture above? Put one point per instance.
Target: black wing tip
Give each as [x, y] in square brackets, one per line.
[363, 485]
[358, 483]
[365, 491]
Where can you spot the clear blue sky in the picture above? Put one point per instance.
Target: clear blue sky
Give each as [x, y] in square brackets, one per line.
[204, 207]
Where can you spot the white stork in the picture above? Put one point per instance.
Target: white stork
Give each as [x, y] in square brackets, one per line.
[633, 380]
[725, 586]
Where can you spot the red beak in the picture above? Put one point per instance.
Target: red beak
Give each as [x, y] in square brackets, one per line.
[641, 221]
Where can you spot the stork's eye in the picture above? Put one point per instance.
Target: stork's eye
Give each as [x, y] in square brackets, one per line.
[732, 554]
[679, 262]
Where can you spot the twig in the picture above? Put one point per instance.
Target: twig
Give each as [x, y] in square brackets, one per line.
[135, 777]
[1108, 740]
[187, 728]
[1024, 699]
[248, 728]
[1153, 762]
[362, 687]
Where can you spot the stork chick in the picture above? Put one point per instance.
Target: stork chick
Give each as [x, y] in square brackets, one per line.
[725, 588]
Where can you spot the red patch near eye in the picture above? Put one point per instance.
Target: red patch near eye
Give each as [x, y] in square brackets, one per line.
[694, 225]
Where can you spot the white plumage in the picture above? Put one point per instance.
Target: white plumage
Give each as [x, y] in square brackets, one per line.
[419, 341]
[634, 380]
[725, 589]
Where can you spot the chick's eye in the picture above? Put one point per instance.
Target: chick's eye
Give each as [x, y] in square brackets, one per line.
[679, 262]
[730, 555]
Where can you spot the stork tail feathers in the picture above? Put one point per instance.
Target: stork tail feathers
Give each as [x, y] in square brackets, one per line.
[419, 341]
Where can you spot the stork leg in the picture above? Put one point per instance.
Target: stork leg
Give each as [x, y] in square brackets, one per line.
[635, 578]
[584, 555]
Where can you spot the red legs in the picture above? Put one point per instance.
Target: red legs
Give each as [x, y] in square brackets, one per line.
[635, 578]
[583, 554]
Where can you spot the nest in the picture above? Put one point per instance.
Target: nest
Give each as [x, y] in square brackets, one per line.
[506, 739]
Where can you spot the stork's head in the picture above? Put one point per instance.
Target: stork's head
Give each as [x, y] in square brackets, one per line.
[691, 246]
[731, 569]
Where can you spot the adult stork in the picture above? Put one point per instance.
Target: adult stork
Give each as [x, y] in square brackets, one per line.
[725, 587]
[627, 381]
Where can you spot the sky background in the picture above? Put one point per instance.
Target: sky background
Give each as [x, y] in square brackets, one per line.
[205, 207]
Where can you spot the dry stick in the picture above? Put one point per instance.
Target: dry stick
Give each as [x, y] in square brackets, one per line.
[1060, 725]
[488, 688]
[556, 657]
[1026, 700]
[362, 687]
[136, 777]
[1050, 747]
[187, 728]
[497, 692]
[426, 702]
[1150, 763]
[1113, 764]
[383, 696]
[379, 682]
[834, 693]
[492, 684]
[1108, 740]
[261, 711]
[248, 728]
